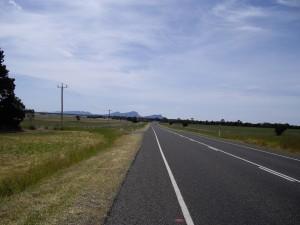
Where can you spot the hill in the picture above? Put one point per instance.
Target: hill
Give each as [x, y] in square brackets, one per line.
[79, 113]
[158, 116]
[126, 114]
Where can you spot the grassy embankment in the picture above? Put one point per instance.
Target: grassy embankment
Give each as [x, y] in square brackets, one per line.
[289, 141]
[42, 166]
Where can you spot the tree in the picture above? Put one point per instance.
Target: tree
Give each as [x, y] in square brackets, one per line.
[222, 121]
[280, 128]
[12, 110]
[133, 119]
[185, 123]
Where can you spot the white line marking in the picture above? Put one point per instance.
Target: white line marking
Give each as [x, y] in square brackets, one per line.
[244, 146]
[255, 149]
[245, 160]
[277, 174]
[184, 209]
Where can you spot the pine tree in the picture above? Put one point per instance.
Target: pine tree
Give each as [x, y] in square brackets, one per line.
[12, 110]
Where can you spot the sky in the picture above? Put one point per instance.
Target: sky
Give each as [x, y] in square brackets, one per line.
[201, 59]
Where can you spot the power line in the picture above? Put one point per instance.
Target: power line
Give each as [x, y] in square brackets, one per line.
[62, 87]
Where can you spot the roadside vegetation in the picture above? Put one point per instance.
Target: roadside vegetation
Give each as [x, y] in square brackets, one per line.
[288, 141]
[12, 110]
[54, 174]
[42, 151]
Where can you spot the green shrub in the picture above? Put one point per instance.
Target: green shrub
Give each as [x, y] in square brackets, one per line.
[279, 129]
[32, 127]
[185, 124]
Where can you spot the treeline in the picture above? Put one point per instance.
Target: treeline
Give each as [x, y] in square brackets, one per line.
[132, 119]
[228, 123]
[186, 122]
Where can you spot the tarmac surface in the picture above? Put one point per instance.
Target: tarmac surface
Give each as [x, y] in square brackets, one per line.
[183, 178]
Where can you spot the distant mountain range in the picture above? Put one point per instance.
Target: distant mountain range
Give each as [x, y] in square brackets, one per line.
[135, 114]
[79, 113]
[126, 114]
[116, 114]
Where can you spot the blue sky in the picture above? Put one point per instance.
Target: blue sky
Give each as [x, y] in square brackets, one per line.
[205, 59]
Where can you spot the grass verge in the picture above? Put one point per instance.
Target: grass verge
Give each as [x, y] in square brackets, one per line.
[19, 180]
[30, 156]
[80, 194]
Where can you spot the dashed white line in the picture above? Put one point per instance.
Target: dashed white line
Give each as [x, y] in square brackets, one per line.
[237, 157]
[184, 209]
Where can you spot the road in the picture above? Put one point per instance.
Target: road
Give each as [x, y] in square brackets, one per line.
[183, 178]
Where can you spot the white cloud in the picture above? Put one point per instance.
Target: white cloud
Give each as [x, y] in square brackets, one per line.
[238, 15]
[76, 42]
[156, 56]
[14, 4]
[290, 3]
[250, 28]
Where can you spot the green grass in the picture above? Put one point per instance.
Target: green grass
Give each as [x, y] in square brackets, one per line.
[79, 194]
[289, 141]
[30, 156]
[52, 122]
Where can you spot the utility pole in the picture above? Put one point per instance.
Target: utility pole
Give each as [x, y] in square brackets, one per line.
[62, 87]
[109, 113]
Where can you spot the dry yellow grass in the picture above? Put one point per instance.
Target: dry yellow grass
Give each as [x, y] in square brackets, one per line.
[80, 194]
[20, 151]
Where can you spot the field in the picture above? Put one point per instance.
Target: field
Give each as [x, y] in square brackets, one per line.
[289, 141]
[45, 157]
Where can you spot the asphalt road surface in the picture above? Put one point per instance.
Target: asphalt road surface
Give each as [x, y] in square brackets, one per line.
[182, 178]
